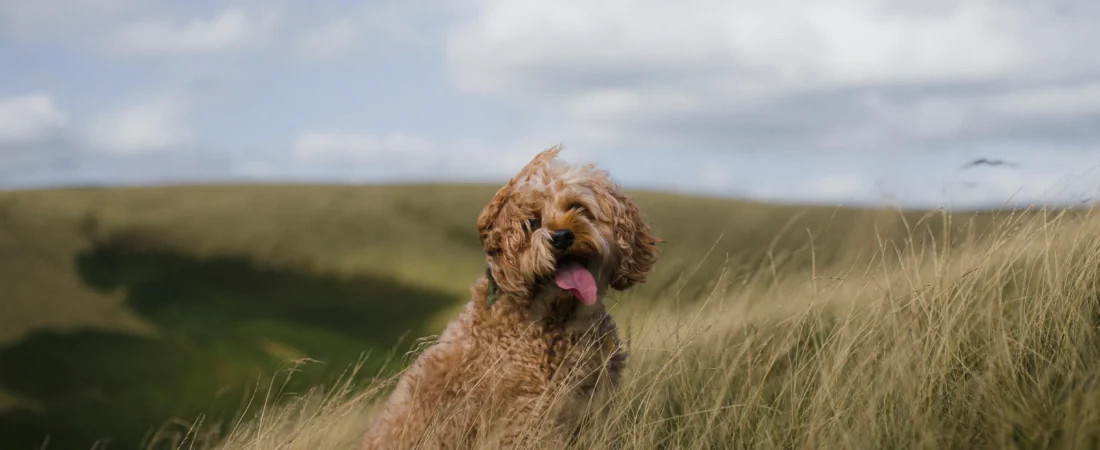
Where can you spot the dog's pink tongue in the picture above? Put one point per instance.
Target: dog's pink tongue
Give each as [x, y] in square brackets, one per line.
[578, 280]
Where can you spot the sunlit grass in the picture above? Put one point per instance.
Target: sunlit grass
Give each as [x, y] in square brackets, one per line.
[985, 342]
[124, 307]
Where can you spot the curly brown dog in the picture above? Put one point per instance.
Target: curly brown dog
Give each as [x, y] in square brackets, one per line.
[535, 345]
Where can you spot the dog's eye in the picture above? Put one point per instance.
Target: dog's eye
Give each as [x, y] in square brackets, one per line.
[534, 223]
[577, 208]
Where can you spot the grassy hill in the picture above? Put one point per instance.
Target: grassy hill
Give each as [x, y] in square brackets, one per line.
[126, 308]
[985, 335]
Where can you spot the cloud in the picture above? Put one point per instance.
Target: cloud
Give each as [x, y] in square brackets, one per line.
[32, 129]
[35, 17]
[713, 178]
[232, 29]
[360, 148]
[817, 187]
[29, 118]
[339, 155]
[867, 75]
[329, 41]
[1057, 176]
[148, 127]
[837, 186]
[379, 26]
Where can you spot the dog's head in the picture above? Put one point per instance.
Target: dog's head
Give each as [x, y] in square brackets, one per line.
[563, 226]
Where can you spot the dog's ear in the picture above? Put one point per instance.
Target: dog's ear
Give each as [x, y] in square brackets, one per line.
[637, 244]
[489, 214]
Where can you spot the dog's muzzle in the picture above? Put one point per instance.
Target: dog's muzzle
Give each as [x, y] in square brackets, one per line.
[562, 239]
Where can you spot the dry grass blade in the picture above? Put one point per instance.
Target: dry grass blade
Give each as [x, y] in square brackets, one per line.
[991, 342]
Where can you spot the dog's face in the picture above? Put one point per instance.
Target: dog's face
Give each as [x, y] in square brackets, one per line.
[568, 227]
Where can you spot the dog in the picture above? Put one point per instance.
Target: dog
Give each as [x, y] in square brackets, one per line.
[534, 348]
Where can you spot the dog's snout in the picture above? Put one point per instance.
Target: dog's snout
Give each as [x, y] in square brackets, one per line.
[562, 239]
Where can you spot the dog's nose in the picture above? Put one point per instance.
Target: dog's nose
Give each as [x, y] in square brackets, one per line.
[562, 239]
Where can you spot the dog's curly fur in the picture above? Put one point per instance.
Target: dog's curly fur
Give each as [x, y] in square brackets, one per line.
[528, 365]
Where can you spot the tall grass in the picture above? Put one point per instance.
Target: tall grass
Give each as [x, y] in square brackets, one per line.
[991, 341]
[174, 301]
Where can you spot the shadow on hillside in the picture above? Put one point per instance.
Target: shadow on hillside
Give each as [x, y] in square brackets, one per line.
[225, 325]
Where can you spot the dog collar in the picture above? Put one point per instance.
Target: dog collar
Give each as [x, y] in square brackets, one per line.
[494, 290]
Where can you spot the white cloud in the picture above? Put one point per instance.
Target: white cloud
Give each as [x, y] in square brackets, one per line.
[29, 118]
[26, 17]
[839, 74]
[778, 46]
[389, 25]
[360, 148]
[329, 41]
[837, 186]
[818, 187]
[399, 156]
[232, 29]
[149, 127]
[1058, 176]
[714, 178]
[469, 159]
[32, 131]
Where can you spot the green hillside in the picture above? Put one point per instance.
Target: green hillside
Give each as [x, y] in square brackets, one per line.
[123, 309]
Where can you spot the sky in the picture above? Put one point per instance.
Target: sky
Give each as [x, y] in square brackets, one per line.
[830, 101]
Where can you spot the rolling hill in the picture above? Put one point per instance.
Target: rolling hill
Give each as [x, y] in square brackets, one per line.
[126, 308]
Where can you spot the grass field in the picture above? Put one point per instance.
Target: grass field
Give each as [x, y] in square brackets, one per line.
[763, 325]
[978, 339]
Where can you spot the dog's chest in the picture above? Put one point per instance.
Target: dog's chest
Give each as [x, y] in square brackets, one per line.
[556, 344]
[578, 349]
